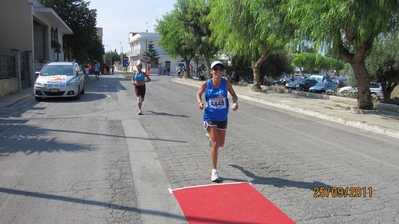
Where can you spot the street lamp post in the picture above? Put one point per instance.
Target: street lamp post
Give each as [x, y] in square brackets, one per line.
[110, 56]
[121, 54]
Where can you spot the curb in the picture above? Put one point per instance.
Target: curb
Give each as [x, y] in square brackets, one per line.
[18, 100]
[353, 123]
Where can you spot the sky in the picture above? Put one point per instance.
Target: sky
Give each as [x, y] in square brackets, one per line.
[120, 17]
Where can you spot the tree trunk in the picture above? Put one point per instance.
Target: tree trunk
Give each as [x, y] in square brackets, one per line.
[187, 69]
[208, 67]
[356, 60]
[256, 69]
[387, 89]
[363, 87]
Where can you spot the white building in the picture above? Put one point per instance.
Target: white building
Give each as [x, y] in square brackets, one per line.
[138, 44]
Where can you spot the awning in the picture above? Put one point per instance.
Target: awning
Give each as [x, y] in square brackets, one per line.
[51, 18]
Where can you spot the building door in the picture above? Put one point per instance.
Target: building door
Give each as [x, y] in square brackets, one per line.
[167, 67]
[25, 71]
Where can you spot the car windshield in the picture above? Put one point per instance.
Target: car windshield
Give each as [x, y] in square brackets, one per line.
[57, 70]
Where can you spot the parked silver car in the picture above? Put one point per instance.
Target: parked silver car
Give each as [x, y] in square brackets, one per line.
[347, 90]
[59, 79]
[375, 90]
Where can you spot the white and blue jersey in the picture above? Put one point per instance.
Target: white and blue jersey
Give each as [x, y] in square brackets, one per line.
[216, 101]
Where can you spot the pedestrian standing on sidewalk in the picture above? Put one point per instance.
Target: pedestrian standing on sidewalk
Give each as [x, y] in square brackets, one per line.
[86, 71]
[96, 68]
[216, 109]
[148, 69]
[138, 80]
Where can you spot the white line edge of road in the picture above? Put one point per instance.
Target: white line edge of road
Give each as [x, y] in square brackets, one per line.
[356, 124]
[154, 200]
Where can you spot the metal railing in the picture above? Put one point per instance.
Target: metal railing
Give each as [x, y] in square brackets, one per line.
[7, 67]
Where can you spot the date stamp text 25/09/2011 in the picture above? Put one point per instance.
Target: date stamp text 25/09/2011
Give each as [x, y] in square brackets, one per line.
[342, 192]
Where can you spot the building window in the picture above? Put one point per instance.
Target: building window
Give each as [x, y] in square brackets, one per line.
[54, 38]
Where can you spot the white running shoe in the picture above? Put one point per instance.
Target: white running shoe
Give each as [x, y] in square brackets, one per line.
[209, 139]
[140, 112]
[215, 176]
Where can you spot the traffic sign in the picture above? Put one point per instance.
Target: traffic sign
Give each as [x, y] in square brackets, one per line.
[125, 63]
[126, 58]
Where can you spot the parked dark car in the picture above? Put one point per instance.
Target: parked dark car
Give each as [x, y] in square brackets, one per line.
[281, 81]
[340, 82]
[266, 82]
[322, 87]
[305, 86]
[295, 84]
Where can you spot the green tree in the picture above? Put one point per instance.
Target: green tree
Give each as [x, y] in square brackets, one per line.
[172, 37]
[188, 18]
[276, 65]
[151, 55]
[197, 28]
[306, 62]
[84, 45]
[95, 51]
[113, 56]
[383, 63]
[314, 62]
[249, 28]
[349, 28]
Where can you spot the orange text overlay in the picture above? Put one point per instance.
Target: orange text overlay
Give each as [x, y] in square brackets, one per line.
[342, 192]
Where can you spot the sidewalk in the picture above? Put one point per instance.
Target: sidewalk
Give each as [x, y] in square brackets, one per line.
[331, 108]
[384, 120]
[11, 99]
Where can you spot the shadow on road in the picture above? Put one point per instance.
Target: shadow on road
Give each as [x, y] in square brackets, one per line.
[167, 114]
[276, 182]
[89, 202]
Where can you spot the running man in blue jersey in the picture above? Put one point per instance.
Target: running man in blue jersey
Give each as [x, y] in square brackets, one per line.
[138, 80]
[216, 109]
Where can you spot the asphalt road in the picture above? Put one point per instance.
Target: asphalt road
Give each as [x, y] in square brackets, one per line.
[96, 161]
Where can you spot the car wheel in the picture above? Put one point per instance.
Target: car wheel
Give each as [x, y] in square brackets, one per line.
[373, 95]
[77, 97]
[345, 93]
[83, 90]
[38, 98]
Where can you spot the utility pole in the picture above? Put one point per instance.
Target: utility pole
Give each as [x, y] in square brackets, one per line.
[121, 54]
[110, 55]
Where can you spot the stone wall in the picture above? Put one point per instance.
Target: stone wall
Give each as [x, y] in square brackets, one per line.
[8, 86]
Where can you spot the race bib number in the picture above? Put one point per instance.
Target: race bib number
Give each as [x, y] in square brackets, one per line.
[218, 103]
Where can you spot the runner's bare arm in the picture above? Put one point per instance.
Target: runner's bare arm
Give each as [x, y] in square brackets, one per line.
[231, 91]
[201, 90]
[148, 77]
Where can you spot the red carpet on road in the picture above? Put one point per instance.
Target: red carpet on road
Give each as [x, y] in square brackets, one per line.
[228, 203]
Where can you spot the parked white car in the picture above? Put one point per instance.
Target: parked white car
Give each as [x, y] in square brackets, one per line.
[375, 89]
[346, 90]
[59, 79]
